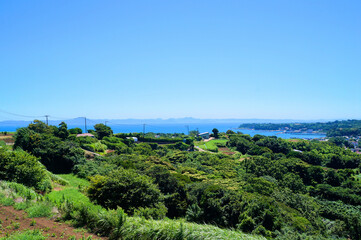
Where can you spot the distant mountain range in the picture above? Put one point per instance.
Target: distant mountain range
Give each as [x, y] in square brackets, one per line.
[186, 120]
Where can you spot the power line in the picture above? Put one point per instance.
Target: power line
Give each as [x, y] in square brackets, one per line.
[19, 115]
[61, 118]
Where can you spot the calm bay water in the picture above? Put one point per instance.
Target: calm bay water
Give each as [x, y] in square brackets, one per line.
[182, 128]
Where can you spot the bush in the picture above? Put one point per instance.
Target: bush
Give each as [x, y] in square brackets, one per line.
[158, 212]
[124, 188]
[21, 167]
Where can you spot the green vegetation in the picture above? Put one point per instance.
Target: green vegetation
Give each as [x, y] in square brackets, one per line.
[212, 145]
[122, 187]
[333, 129]
[71, 192]
[40, 209]
[26, 235]
[34, 204]
[21, 167]
[59, 155]
[277, 189]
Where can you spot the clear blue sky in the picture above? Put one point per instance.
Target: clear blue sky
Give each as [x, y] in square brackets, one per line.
[161, 59]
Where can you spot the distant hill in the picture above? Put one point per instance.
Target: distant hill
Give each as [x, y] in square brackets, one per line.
[350, 127]
[80, 121]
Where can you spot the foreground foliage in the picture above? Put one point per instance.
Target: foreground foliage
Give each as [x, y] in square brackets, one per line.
[270, 187]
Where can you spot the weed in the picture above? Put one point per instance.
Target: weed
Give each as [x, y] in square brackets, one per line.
[33, 222]
[7, 201]
[40, 209]
[16, 225]
[26, 235]
[22, 205]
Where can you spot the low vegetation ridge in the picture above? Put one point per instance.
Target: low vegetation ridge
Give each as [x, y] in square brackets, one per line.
[332, 129]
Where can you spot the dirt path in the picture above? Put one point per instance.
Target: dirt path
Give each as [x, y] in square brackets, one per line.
[14, 220]
[209, 139]
[200, 149]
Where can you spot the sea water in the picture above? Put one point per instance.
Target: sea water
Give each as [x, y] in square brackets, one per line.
[183, 128]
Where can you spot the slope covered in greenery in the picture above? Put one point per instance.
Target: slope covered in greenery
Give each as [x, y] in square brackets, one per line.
[271, 187]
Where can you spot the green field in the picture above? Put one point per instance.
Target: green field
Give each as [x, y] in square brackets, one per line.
[211, 145]
[72, 191]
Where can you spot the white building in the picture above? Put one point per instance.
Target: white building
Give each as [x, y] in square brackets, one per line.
[204, 135]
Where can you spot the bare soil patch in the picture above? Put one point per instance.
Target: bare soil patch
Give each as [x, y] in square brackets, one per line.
[225, 150]
[14, 221]
[8, 139]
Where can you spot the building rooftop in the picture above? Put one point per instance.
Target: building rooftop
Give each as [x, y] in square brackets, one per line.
[85, 135]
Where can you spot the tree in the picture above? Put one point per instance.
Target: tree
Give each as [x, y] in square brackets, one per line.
[230, 132]
[25, 139]
[215, 132]
[126, 189]
[39, 127]
[173, 189]
[338, 141]
[75, 131]
[103, 131]
[62, 131]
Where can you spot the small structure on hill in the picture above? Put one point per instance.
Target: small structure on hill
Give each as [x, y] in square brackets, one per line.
[204, 135]
[85, 135]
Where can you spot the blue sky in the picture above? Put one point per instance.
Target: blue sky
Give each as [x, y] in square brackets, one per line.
[162, 59]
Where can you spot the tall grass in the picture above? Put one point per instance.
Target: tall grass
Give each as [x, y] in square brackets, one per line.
[74, 181]
[178, 230]
[117, 225]
[40, 209]
[27, 199]
[17, 190]
[27, 235]
[58, 179]
[71, 194]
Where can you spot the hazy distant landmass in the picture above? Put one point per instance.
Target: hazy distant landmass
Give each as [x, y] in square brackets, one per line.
[78, 121]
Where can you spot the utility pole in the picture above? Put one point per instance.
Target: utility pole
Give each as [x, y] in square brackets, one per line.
[47, 122]
[143, 130]
[187, 126]
[85, 125]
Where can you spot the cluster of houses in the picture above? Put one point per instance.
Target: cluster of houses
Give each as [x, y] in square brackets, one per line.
[354, 142]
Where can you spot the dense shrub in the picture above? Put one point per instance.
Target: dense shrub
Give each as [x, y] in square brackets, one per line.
[124, 188]
[21, 167]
